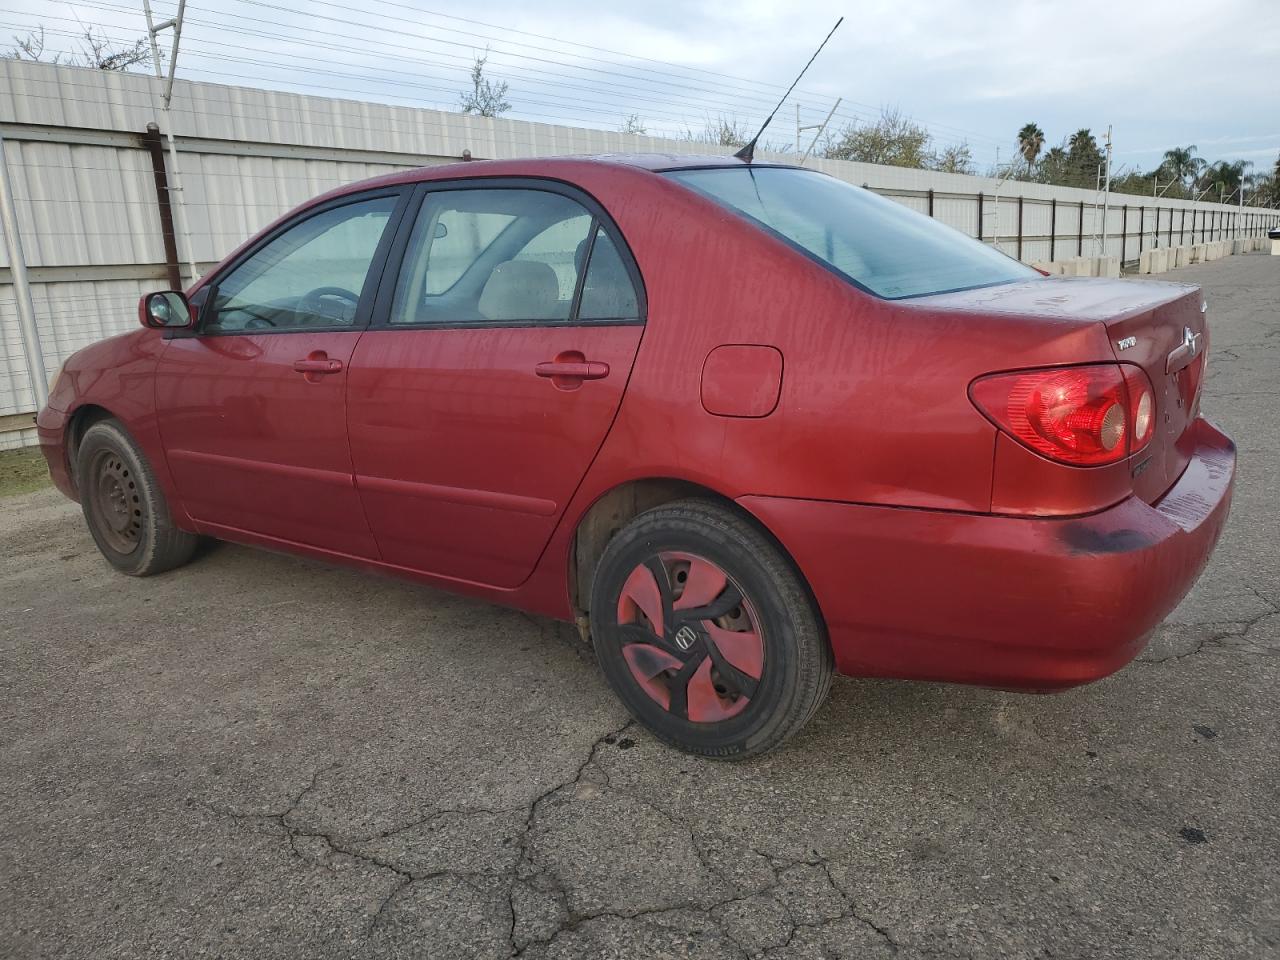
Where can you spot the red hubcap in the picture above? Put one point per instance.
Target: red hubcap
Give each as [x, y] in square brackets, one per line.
[690, 637]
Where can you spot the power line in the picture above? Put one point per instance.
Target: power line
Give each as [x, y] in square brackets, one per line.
[734, 97]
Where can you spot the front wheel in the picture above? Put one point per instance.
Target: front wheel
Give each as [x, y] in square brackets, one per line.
[706, 632]
[124, 506]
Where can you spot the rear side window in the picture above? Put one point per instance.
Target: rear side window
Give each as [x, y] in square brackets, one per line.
[879, 245]
[607, 291]
[508, 255]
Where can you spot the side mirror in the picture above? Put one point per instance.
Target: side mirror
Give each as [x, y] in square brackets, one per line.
[167, 310]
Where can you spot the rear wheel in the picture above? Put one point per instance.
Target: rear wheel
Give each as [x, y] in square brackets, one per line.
[124, 507]
[706, 631]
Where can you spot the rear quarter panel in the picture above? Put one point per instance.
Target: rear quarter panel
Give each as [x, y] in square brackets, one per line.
[874, 405]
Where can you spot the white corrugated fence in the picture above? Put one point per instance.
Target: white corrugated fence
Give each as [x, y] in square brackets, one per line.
[89, 217]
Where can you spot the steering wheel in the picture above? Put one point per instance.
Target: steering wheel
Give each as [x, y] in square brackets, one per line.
[311, 301]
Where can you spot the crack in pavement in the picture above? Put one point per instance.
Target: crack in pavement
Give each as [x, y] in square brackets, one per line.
[529, 872]
[1237, 628]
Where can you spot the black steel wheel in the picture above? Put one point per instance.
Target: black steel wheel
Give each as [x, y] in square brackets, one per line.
[124, 507]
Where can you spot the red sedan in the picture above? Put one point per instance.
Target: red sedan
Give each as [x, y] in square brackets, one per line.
[746, 424]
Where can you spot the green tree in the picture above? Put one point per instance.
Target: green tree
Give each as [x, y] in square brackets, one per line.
[954, 158]
[897, 141]
[1030, 142]
[893, 140]
[723, 131]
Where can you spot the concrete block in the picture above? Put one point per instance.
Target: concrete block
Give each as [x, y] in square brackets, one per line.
[1275, 248]
[1182, 255]
[1048, 266]
[1144, 261]
[1108, 266]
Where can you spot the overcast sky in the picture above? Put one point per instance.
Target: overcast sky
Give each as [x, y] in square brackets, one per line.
[1163, 74]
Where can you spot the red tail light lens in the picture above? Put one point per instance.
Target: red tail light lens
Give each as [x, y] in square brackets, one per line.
[1086, 416]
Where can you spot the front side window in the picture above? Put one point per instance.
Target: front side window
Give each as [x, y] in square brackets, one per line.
[505, 255]
[880, 245]
[308, 277]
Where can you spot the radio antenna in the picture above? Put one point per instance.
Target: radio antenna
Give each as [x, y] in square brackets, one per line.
[748, 152]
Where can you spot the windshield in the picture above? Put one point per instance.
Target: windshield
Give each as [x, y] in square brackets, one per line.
[881, 246]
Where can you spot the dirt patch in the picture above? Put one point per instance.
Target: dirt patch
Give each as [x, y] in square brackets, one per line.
[22, 471]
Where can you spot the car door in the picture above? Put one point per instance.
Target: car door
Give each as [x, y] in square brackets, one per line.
[491, 374]
[252, 406]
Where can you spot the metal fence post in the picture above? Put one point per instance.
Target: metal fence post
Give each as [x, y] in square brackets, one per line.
[931, 201]
[1053, 227]
[979, 214]
[156, 149]
[21, 289]
[1080, 233]
[1020, 226]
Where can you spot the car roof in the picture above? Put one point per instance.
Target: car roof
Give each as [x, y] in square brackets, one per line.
[561, 167]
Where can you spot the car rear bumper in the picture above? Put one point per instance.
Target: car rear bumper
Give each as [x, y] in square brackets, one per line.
[1010, 602]
[51, 428]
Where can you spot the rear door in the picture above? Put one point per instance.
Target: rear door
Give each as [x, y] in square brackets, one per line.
[491, 374]
[252, 407]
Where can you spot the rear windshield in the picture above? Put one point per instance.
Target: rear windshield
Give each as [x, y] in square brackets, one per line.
[879, 245]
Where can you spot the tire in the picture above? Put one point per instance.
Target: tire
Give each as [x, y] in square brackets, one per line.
[124, 507]
[732, 684]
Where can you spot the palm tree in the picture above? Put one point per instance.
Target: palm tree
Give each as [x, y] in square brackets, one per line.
[1030, 141]
[1224, 177]
[1182, 164]
[1082, 140]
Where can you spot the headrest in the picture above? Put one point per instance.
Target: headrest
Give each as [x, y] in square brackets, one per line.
[521, 290]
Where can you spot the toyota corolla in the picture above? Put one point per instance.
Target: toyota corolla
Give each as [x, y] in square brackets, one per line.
[745, 424]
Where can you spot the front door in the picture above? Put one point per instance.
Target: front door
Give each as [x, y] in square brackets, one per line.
[252, 408]
[490, 377]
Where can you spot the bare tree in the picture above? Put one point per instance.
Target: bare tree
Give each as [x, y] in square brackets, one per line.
[633, 124]
[96, 51]
[30, 47]
[100, 53]
[485, 98]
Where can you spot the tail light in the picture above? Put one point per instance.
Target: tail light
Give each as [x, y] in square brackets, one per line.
[1086, 416]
